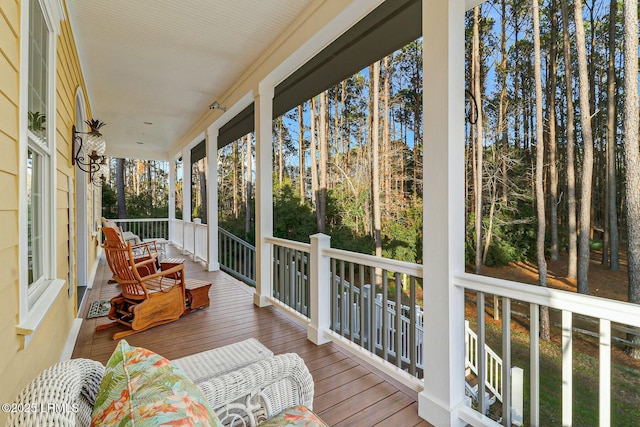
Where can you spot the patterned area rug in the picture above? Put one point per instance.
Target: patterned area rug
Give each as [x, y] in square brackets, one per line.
[99, 308]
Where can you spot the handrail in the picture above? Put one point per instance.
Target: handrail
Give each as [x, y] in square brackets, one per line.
[298, 246]
[616, 311]
[236, 238]
[402, 267]
[116, 220]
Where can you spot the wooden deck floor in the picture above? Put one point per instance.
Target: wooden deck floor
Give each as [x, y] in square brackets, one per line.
[348, 391]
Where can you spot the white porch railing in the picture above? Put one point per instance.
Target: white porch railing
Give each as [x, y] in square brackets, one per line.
[569, 304]
[191, 237]
[146, 228]
[357, 322]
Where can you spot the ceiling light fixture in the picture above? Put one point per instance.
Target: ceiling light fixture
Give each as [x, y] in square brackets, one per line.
[216, 106]
[88, 153]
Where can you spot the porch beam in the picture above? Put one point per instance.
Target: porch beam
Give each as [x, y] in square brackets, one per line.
[443, 211]
[264, 194]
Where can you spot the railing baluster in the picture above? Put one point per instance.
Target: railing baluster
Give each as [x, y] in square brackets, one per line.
[534, 332]
[412, 326]
[398, 336]
[505, 390]
[385, 314]
[605, 373]
[352, 305]
[482, 367]
[366, 314]
[335, 323]
[567, 368]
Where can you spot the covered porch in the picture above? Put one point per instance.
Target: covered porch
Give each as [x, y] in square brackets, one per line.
[348, 390]
[314, 298]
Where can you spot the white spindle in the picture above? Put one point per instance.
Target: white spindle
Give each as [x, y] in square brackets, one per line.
[567, 368]
[534, 331]
[605, 373]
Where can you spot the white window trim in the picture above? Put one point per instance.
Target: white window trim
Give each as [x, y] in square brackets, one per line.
[34, 310]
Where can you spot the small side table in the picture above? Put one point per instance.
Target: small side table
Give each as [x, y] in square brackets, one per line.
[168, 263]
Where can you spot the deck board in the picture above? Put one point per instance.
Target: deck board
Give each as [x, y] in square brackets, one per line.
[348, 391]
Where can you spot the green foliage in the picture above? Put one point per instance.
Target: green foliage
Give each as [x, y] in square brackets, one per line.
[291, 219]
[402, 234]
[109, 202]
[513, 240]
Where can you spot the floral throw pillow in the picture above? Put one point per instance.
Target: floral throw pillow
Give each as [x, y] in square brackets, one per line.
[141, 388]
[296, 416]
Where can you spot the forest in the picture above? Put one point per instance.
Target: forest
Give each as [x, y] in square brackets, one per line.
[552, 153]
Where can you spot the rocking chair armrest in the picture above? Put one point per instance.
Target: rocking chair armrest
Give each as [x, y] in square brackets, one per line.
[164, 273]
[144, 262]
[280, 382]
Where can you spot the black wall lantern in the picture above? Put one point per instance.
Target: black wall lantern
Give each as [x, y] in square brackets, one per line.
[88, 152]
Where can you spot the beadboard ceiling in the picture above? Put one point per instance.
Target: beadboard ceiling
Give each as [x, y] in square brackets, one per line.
[164, 61]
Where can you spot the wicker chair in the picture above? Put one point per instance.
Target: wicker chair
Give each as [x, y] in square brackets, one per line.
[244, 396]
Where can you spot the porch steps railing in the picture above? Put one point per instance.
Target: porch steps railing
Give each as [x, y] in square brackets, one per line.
[236, 257]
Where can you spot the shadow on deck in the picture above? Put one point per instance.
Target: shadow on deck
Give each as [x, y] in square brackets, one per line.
[348, 391]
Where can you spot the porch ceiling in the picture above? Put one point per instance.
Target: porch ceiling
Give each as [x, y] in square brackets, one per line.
[165, 61]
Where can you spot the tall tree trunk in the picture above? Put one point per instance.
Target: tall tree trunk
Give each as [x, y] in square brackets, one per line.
[612, 217]
[375, 160]
[314, 161]
[572, 270]
[234, 159]
[540, 211]
[478, 96]
[202, 174]
[280, 152]
[303, 169]
[243, 168]
[122, 207]
[587, 163]
[632, 155]
[247, 216]
[553, 170]
[324, 158]
[386, 153]
[502, 121]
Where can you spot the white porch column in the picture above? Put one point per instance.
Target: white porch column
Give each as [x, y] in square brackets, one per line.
[443, 211]
[212, 199]
[264, 194]
[172, 196]
[186, 195]
[320, 291]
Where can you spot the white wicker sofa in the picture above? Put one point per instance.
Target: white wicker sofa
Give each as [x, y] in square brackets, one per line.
[243, 383]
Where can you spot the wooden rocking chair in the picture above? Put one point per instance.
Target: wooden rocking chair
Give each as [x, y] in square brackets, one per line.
[142, 251]
[149, 297]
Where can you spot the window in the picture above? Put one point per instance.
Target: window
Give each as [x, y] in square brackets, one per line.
[38, 153]
[38, 286]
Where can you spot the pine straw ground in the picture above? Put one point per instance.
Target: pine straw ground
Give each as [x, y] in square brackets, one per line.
[625, 389]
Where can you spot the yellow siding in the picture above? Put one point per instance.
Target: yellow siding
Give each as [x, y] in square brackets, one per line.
[9, 157]
[18, 367]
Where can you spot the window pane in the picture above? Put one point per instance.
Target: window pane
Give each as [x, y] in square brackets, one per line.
[38, 71]
[34, 219]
